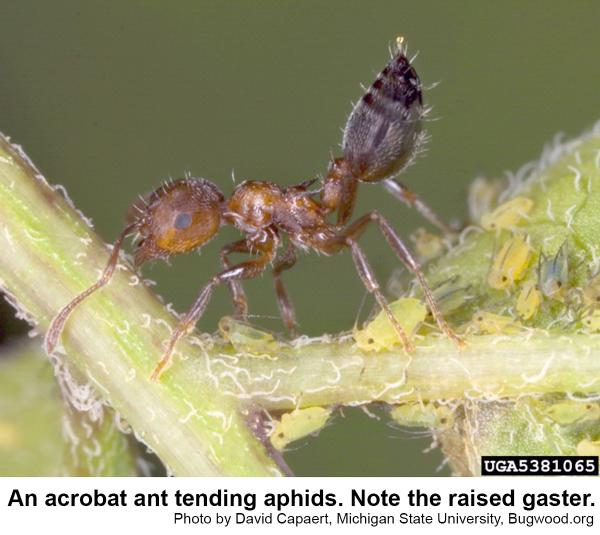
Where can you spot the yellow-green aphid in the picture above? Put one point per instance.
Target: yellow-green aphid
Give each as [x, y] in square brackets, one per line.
[298, 424]
[591, 291]
[507, 215]
[451, 294]
[379, 333]
[423, 415]
[570, 412]
[588, 447]
[591, 320]
[489, 323]
[529, 300]
[510, 263]
[244, 337]
[427, 245]
[9, 435]
[483, 195]
[553, 273]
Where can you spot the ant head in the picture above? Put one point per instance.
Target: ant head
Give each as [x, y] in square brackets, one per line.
[177, 217]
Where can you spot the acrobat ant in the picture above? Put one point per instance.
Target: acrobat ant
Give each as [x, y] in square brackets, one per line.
[382, 136]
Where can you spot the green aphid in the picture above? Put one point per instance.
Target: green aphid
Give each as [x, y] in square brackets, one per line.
[507, 215]
[451, 294]
[588, 447]
[591, 292]
[423, 415]
[591, 320]
[570, 412]
[529, 300]
[244, 337]
[484, 322]
[298, 424]
[427, 245]
[379, 334]
[553, 273]
[510, 262]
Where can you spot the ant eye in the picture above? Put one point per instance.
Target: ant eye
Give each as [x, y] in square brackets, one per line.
[182, 221]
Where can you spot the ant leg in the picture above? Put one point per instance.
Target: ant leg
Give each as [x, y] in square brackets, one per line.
[402, 193]
[238, 295]
[405, 256]
[58, 322]
[245, 270]
[286, 308]
[368, 277]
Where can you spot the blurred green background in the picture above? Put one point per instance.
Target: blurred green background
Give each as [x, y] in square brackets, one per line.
[111, 97]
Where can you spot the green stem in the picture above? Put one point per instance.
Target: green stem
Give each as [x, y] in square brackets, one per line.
[330, 373]
[48, 255]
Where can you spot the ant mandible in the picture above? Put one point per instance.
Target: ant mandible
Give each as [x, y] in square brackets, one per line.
[382, 136]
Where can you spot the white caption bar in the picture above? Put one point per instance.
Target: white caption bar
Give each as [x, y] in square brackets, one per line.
[299, 505]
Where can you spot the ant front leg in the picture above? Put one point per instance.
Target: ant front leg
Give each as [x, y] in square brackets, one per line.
[405, 195]
[406, 257]
[238, 295]
[58, 322]
[245, 270]
[286, 308]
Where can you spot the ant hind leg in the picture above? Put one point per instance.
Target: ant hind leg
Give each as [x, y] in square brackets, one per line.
[368, 277]
[406, 257]
[286, 308]
[408, 197]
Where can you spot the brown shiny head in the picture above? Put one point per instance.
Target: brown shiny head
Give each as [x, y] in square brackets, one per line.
[177, 217]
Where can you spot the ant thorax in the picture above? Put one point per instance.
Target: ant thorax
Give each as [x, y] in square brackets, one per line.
[255, 206]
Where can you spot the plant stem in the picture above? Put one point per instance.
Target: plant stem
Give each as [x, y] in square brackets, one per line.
[48, 255]
[330, 373]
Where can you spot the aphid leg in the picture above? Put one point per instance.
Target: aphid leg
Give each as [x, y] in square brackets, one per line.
[58, 322]
[286, 308]
[405, 195]
[368, 277]
[238, 296]
[405, 256]
[245, 270]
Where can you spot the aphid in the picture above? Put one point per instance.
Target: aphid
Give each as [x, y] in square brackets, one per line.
[529, 300]
[244, 337]
[510, 262]
[298, 424]
[591, 320]
[379, 334]
[588, 447]
[489, 323]
[483, 195]
[427, 245]
[553, 273]
[570, 412]
[507, 215]
[382, 136]
[428, 415]
[451, 294]
[591, 292]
